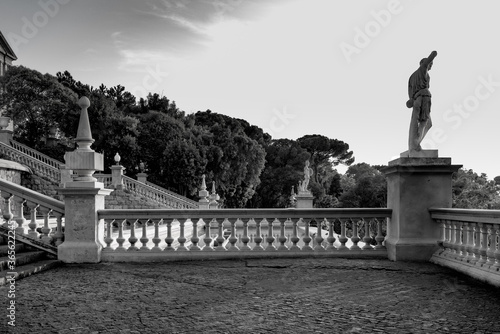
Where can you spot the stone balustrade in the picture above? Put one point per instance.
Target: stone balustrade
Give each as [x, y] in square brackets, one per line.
[158, 194]
[17, 198]
[470, 242]
[106, 179]
[41, 167]
[241, 233]
[36, 155]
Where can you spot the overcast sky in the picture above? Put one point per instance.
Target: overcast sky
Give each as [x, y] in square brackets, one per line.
[291, 67]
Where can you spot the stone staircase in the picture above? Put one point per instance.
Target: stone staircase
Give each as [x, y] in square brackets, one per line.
[19, 260]
[51, 169]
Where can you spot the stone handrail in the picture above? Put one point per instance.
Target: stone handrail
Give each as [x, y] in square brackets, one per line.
[167, 198]
[194, 204]
[42, 168]
[17, 198]
[35, 154]
[262, 232]
[470, 242]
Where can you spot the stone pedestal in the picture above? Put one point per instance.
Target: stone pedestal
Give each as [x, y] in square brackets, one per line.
[142, 177]
[84, 236]
[304, 200]
[413, 186]
[117, 176]
[6, 136]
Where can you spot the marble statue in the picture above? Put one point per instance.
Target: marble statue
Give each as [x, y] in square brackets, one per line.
[420, 101]
[308, 172]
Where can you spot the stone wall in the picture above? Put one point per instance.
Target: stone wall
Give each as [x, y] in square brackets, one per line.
[40, 185]
[11, 175]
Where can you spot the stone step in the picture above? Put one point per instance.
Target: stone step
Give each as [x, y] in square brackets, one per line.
[4, 249]
[27, 270]
[22, 259]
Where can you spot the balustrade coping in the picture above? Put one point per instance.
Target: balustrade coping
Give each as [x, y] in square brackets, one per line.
[32, 196]
[466, 215]
[378, 213]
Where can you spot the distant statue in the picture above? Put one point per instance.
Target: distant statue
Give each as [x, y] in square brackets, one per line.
[420, 101]
[308, 172]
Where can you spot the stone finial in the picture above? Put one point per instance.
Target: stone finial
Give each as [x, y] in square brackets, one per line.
[214, 198]
[203, 193]
[117, 159]
[84, 161]
[203, 183]
[84, 135]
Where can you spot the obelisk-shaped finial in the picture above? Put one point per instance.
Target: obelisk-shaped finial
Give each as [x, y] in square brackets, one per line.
[84, 134]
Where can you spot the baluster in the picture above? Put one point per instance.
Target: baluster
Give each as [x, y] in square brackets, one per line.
[270, 238]
[169, 240]
[367, 239]
[182, 239]
[258, 237]
[245, 239]
[476, 244]
[484, 244]
[156, 239]
[58, 235]
[307, 238]
[380, 237]
[453, 240]
[496, 265]
[466, 242]
[447, 240]
[343, 239]
[108, 240]
[194, 238]
[294, 239]
[133, 239]
[490, 253]
[471, 243]
[319, 236]
[19, 217]
[6, 212]
[331, 239]
[282, 239]
[33, 233]
[120, 240]
[220, 238]
[233, 239]
[144, 238]
[207, 240]
[45, 229]
[355, 236]
[458, 240]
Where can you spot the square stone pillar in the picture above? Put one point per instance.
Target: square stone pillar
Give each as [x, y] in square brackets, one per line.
[83, 233]
[5, 136]
[142, 177]
[117, 176]
[413, 186]
[304, 200]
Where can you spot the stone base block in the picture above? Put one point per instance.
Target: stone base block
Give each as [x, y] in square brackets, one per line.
[420, 154]
[79, 252]
[411, 250]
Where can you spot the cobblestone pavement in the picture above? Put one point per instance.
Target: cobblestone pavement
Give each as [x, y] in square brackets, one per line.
[254, 296]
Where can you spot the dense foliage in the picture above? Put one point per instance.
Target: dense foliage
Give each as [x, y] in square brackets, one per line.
[249, 168]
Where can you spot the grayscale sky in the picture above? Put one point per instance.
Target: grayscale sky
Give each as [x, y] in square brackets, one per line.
[293, 67]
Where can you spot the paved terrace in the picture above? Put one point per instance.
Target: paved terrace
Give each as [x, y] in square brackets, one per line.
[254, 296]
